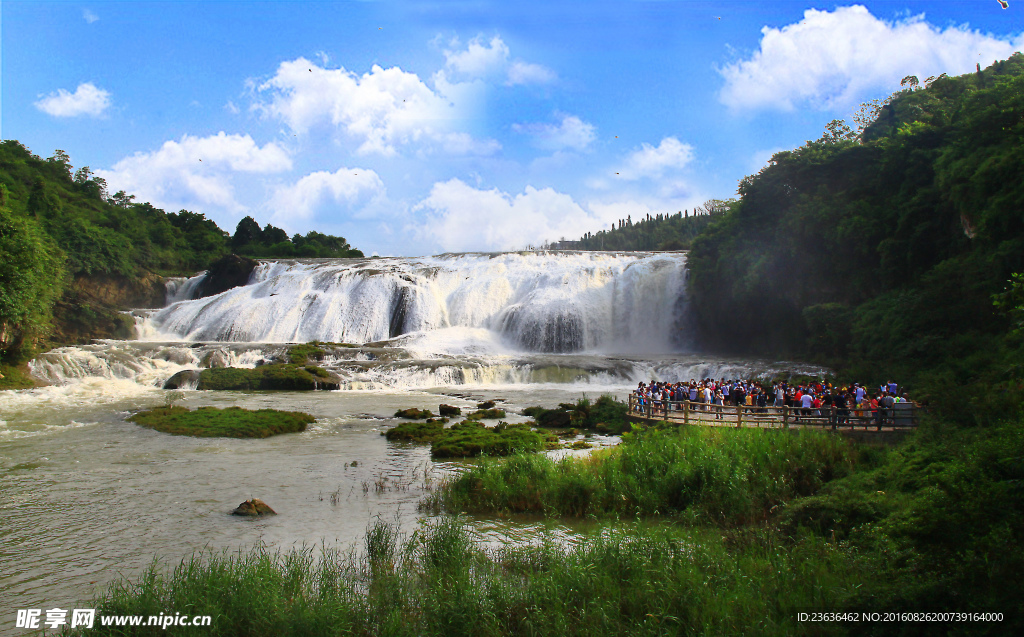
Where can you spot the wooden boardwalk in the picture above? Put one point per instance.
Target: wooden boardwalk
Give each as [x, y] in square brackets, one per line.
[901, 418]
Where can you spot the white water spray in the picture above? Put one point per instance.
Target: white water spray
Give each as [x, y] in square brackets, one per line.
[539, 302]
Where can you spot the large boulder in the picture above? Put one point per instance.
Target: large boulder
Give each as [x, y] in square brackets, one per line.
[183, 379]
[216, 358]
[228, 272]
[254, 508]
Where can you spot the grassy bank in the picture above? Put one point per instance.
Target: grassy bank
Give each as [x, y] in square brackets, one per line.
[633, 580]
[731, 476]
[233, 422]
[16, 377]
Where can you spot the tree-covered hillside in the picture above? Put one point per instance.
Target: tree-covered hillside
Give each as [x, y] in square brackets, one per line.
[655, 232]
[70, 251]
[884, 249]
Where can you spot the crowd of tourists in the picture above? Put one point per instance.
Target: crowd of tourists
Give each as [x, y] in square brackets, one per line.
[817, 399]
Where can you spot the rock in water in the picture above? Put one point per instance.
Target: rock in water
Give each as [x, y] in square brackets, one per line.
[216, 358]
[229, 272]
[183, 379]
[254, 507]
[449, 410]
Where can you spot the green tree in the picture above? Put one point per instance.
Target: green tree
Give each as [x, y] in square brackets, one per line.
[31, 280]
[246, 232]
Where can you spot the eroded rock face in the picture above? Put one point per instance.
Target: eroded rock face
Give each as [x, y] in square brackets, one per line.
[226, 273]
[254, 508]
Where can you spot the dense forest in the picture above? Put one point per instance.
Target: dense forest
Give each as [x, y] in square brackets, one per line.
[895, 251]
[894, 246]
[655, 232]
[71, 252]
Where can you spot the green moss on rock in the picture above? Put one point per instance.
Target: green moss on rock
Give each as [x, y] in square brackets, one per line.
[449, 410]
[413, 413]
[233, 422]
[471, 438]
[276, 376]
[486, 414]
[416, 431]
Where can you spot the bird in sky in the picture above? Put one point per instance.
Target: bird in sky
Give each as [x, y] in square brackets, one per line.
[1004, 4]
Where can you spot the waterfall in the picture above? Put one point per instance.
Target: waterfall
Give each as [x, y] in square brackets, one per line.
[545, 301]
[530, 302]
[181, 288]
[596, 320]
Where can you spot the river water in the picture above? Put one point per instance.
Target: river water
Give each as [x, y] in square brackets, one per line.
[86, 497]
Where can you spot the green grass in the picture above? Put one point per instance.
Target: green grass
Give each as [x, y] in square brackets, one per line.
[718, 475]
[944, 513]
[629, 580]
[233, 422]
[469, 439]
[486, 414]
[413, 413]
[606, 415]
[276, 376]
[16, 377]
[416, 431]
[312, 351]
[301, 354]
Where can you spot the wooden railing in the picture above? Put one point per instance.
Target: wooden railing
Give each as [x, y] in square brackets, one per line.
[900, 417]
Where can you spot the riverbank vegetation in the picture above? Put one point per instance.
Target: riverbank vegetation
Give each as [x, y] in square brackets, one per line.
[889, 251]
[632, 580]
[710, 474]
[233, 422]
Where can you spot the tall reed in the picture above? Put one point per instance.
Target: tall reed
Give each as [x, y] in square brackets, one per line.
[712, 475]
[634, 579]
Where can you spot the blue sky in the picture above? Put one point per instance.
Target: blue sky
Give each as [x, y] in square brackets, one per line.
[421, 127]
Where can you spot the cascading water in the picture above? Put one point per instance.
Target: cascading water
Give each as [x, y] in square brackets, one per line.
[508, 319]
[182, 288]
[536, 302]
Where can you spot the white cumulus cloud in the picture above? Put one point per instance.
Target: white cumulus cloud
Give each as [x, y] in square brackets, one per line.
[527, 73]
[323, 193]
[461, 218]
[836, 59]
[571, 132]
[89, 16]
[86, 100]
[380, 110]
[195, 171]
[483, 60]
[653, 162]
[479, 59]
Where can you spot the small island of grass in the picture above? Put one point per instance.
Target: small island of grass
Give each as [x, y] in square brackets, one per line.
[233, 422]
[471, 438]
[417, 431]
